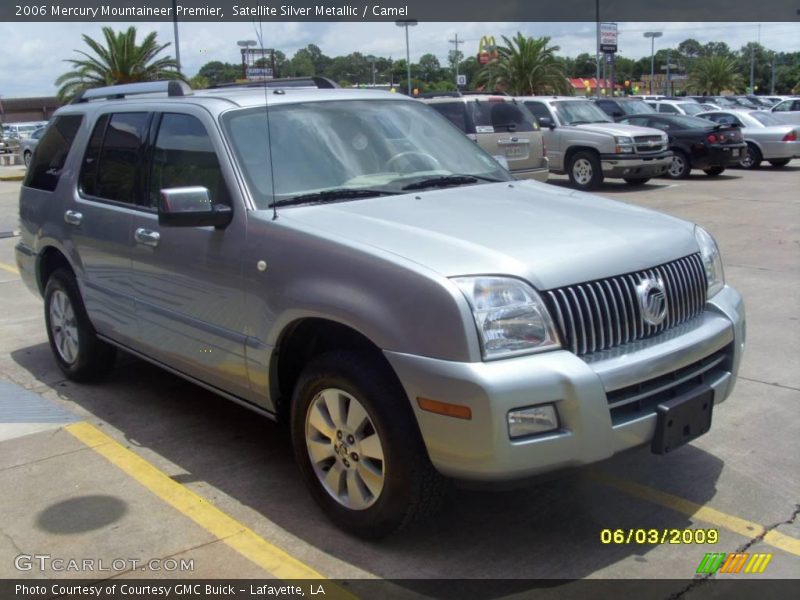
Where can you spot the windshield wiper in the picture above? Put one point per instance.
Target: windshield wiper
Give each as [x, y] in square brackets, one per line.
[447, 181]
[331, 196]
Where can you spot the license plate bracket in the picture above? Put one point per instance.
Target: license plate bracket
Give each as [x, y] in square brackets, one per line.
[682, 419]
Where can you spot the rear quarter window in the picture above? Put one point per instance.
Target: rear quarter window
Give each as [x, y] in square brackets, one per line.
[51, 153]
[502, 117]
[455, 112]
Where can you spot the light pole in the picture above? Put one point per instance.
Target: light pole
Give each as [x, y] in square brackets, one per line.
[372, 60]
[175, 33]
[244, 45]
[652, 35]
[407, 23]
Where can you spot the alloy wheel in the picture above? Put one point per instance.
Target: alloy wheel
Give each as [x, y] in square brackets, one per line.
[64, 327]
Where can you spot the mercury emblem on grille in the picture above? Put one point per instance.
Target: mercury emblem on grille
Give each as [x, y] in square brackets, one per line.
[652, 300]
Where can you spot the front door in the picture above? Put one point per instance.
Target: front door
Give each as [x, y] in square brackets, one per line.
[187, 280]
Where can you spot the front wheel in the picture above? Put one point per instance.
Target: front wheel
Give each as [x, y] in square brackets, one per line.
[79, 353]
[714, 171]
[584, 171]
[358, 447]
[752, 157]
[680, 166]
[635, 181]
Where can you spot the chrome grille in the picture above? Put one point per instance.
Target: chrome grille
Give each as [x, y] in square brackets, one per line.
[602, 314]
[644, 146]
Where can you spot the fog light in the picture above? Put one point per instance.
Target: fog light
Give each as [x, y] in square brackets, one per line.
[531, 421]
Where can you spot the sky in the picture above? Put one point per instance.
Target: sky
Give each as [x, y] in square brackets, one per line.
[34, 52]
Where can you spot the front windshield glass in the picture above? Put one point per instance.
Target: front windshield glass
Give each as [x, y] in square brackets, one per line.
[690, 122]
[351, 148]
[636, 107]
[577, 112]
[766, 118]
[692, 108]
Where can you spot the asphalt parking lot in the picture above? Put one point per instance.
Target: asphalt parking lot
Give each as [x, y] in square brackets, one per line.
[146, 466]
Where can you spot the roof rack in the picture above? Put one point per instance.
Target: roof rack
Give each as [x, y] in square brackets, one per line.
[286, 82]
[171, 87]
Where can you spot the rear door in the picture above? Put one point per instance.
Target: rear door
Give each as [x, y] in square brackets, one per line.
[506, 129]
[551, 137]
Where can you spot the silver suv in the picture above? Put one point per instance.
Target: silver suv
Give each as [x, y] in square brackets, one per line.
[348, 261]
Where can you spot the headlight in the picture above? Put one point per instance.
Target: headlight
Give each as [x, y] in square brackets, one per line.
[712, 261]
[510, 316]
[624, 144]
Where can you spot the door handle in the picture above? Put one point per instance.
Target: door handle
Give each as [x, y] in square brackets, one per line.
[72, 217]
[147, 237]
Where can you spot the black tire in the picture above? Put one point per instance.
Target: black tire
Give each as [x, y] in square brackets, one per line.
[777, 164]
[411, 487]
[635, 181]
[714, 171]
[752, 157]
[26, 158]
[680, 167]
[584, 171]
[92, 358]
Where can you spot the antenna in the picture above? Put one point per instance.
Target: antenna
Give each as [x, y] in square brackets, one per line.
[260, 36]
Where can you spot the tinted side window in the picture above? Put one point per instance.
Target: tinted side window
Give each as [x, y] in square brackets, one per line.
[508, 117]
[538, 109]
[88, 176]
[455, 112]
[51, 153]
[118, 167]
[184, 156]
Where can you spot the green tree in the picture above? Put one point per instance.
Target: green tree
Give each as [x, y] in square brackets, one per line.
[526, 66]
[713, 74]
[120, 60]
[217, 72]
[429, 68]
[198, 82]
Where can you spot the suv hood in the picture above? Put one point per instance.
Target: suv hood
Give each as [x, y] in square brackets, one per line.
[549, 236]
[619, 129]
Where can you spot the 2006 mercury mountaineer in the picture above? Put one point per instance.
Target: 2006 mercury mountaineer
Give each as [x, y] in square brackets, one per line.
[349, 261]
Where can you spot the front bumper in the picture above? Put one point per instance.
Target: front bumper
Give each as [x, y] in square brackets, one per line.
[480, 449]
[635, 165]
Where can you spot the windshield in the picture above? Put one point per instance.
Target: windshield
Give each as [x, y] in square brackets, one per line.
[692, 108]
[766, 118]
[635, 107]
[349, 149]
[577, 112]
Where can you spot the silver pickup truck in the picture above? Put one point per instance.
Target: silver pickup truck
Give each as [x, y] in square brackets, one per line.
[351, 264]
[586, 144]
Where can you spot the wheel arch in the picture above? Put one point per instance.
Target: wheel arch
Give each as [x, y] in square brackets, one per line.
[49, 259]
[572, 150]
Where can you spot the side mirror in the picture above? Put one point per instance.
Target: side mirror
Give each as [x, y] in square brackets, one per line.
[191, 207]
[546, 122]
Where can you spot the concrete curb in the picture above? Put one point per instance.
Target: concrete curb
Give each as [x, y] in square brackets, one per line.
[19, 177]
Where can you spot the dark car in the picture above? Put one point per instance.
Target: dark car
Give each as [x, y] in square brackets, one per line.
[695, 143]
[617, 108]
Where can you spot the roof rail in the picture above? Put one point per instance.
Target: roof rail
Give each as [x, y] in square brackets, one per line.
[297, 82]
[172, 87]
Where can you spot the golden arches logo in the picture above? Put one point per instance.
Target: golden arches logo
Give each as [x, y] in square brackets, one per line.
[487, 49]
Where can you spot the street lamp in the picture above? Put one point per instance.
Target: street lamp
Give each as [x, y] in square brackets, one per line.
[652, 35]
[244, 45]
[372, 60]
[407, 23]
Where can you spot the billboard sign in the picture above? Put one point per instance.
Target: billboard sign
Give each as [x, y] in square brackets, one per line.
[259, 73]
[608, 37]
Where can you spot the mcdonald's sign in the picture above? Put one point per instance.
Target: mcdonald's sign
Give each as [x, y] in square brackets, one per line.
[735, 562]
[487, 49]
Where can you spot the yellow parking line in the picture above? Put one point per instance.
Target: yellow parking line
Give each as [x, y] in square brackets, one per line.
[9, 268]
[698, 511]
[236, 535]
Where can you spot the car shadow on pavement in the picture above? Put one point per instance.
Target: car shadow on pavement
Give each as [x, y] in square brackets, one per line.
[545, 529]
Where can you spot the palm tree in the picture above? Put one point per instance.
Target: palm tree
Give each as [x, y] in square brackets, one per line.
[713, 74]
[120, 60]
[526, 66]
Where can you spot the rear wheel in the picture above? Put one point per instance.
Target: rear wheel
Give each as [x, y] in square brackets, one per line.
[635, 181]
[27, 158]
[714, 171]
[358, 446]
[680, 166]
[752, 157]
[584, 171]
[780, 163]
[79, 353]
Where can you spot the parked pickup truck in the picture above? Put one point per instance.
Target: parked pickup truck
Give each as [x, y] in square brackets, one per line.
[586, 144]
